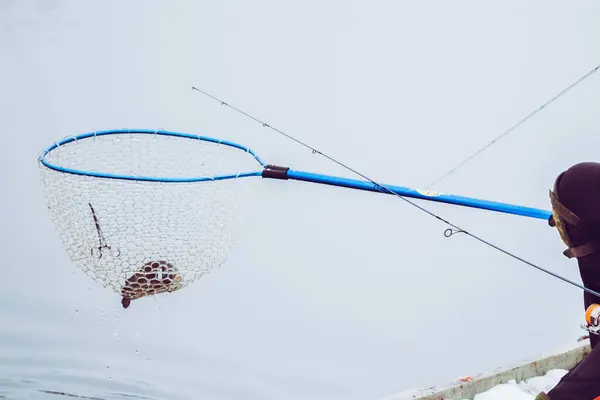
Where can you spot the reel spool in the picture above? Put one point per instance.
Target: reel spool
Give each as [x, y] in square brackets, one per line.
[592, 319]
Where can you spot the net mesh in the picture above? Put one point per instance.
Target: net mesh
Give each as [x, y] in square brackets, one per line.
[142, 238]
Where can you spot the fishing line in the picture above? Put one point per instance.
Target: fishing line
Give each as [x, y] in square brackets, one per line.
[512, 128]
[447, 233]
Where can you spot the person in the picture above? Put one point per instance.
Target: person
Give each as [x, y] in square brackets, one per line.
[575, 200]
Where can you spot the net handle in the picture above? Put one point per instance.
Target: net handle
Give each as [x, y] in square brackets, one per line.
[284, 173]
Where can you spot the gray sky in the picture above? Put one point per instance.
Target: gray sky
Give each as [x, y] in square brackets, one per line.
[331, 293]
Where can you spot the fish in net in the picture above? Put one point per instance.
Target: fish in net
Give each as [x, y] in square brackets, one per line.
[147, 212]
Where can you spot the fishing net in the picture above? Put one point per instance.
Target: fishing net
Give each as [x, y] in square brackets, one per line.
[144, 212]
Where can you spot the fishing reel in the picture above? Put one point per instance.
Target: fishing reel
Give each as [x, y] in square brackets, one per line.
[592, 319]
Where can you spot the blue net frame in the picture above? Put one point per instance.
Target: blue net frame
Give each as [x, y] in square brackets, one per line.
[70, 139]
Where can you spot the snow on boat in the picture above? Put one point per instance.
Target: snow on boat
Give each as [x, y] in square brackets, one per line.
[522, 381]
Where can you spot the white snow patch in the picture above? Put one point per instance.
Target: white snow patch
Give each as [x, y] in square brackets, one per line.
[526, 390]
[522, 380]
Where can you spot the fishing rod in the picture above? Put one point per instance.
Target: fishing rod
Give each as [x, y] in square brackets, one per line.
[515, 126]
[280, 172]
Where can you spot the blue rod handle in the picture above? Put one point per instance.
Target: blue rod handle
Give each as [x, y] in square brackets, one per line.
[418, 194]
